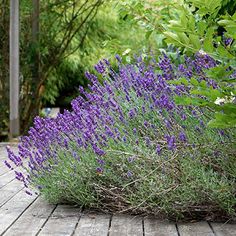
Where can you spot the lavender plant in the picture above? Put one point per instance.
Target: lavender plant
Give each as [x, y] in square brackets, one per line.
[126, 146]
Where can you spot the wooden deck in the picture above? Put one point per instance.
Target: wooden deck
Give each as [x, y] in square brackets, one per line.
[22, 215]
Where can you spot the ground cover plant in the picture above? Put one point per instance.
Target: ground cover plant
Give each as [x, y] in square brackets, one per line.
[127, 146]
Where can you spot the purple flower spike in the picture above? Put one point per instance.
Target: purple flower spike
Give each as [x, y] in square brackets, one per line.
[99, 170]
[183, 117]
[171, 142]
[131, 114]
[101, 162]
[129, 174]
[182, 137]
[8, 165]
[100, 68]
[158, 149]
[28, 192]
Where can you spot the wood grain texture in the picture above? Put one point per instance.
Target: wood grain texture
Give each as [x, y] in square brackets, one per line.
[195, 229]
[32, 219]
[93, 224]
[221, 229]
[6, 178]
[153, 227]
[62, 222]
[9, 191]
[10, 211]
[126, 226]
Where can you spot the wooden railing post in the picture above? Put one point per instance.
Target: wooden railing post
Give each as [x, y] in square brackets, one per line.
[14, 69]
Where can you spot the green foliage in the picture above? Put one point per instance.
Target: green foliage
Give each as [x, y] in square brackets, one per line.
[193, 26]
[108, 34]
[196, 29]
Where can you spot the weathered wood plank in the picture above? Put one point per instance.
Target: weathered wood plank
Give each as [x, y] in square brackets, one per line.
[93, 224]
[3, 169]
[221, 229]
[10, 211]
[3, 153]
[126, 226]
[195, 229]
[32, 219]
[6, 178]
[154, 227]
[9, 191]
[62, 222]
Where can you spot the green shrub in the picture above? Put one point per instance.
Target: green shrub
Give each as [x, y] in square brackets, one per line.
[126, 146]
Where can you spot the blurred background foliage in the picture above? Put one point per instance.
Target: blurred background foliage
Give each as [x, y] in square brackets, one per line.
[73, 36]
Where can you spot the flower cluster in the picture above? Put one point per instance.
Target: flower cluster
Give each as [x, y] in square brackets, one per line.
[133, 109]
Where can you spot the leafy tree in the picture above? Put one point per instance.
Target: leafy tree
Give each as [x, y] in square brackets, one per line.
[60, 23]
[193, 26]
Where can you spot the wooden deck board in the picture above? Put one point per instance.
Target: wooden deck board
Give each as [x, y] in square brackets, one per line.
[126, 226]
[62, 222]
[6, 178]
[153, 227]
[221, 229]
[10, 211]
[93, 224]
[195, 229]
[32, 219]
[9, 191]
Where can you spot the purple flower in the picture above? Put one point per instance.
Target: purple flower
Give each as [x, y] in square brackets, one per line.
[182, 137]
[171, 142]
[118, 58]
[98, 151]
[183, 117]
[8, 165]
[66, 143]
[99, 170]
[100, 67]
[28, 192]
[227, 41]
[148, 142]
[129, 174]
[101, 162]
[158, 149]
[131, 114]
[222, 132]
